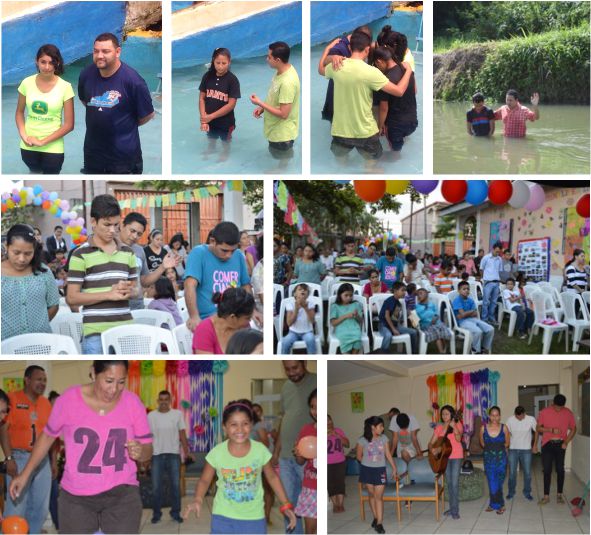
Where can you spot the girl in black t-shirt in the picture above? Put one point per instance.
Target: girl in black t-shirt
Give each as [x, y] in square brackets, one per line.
[218, 92]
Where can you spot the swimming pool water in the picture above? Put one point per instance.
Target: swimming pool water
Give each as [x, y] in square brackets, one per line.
[248, 151]
[146, 59]
[408, 161]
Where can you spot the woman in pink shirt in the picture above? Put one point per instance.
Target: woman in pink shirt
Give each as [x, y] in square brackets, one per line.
[337, 466]
[105, 431]
[468, 262]
[234, 311]
[452, 428]
[374, 286]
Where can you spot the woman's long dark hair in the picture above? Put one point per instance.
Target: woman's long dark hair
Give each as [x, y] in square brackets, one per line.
[56, 57]
[576, 253]
[27, 234]
[370, 422]
[218, 52]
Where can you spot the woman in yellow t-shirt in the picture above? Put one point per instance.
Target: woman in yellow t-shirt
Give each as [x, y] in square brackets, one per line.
[45, 96]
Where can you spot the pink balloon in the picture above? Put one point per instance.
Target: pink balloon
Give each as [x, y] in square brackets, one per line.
[307, 447]
[536, 198]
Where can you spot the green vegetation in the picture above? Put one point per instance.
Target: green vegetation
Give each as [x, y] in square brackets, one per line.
[555, 64]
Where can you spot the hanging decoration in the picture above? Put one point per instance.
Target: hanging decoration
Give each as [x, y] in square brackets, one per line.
[147, 369]
[158, 378]
[219, 368]
[134, 376]
[286, 203]
[477, 192]
[370, 190]
[583, 206]
[172, 382]
[424, 186]
[500, 191]
[184, 391]
[454, 191]
[536, 198]
[396, 187]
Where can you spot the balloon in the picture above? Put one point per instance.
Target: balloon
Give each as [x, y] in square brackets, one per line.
[5, 196]
[45, 195]
[477, 191]
[37, 190]
[424, 186]
[37, 201]
[72, 223]
[15, 524]
[83, 232]
[520, 195]
[536, 198]
[65, 205]
[454, 191]
[583, 206]
[16, 197]
[9, 203]
[396, 187]
[370, 190]
[342, 181]
[83, 238]
[45, 205]
[80, 221]
[307, 447]
[57, 202]
[53, 196]
[500, 191]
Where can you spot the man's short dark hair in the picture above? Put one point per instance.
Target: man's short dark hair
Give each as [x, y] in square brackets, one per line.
[505, 251]
[348, 239]
[31, 369]
[226, 232]
[559, 400]
[104, 206]
[462, 284]
[397, 285]
[135, 217]
[403, 420]
[497, 245]
[394, 411]
[477, 97]
[411, 258]
[390, 251]
[280, 50]
[519, 410]
[359, 41]
[57, 227]
[108, 37]
[164, 393]
[513, 93]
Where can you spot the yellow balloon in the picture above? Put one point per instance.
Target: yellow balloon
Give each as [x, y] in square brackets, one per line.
[396, 187]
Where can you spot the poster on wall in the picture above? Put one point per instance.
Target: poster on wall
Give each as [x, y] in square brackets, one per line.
[502, 231]
[357, 402]
[12, 384]
[576, 233]
[533, 258]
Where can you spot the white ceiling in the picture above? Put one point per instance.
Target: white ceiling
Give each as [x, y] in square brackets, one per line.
[341, 372]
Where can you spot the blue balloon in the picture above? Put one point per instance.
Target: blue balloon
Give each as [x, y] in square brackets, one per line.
[37, 189]
[37, 201]
[53, 196]
[342, 181]
[477, 191]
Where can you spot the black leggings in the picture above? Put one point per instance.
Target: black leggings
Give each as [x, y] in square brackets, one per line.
[552, 452]
[43, 163]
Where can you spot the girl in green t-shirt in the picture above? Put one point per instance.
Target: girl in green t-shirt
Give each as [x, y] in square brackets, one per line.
[45, 96]
[239, 462]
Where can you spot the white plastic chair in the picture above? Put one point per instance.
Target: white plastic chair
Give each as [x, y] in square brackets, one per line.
[585, 296]
[184, 339]
[502, 310]
[326, 286]
[557, 281]
[476, 288]
[549, 289]
[464, 333]
[39, 344]
[138, 339]
[333, 341]
[378, 300]
[315, 289]
[569, 300]
[183, 310]
[539, 300]
[278, 293]
[530, 289]
[156, 318]
[318, 324]
[68, 324]
[445, 314]
[357, 289]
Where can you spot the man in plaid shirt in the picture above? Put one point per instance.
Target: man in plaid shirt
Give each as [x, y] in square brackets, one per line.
[514, 115]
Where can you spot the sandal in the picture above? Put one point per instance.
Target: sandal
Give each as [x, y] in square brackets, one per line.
[544, 501]
[489, 509]
[560, 499]
[501, 511]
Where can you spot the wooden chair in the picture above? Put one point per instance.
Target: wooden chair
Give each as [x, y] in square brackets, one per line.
[390, 492]
[427, 486]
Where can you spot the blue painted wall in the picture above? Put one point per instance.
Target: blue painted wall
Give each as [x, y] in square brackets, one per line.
[176, 6]
[331, 19]
[245, 38]
[71, 26]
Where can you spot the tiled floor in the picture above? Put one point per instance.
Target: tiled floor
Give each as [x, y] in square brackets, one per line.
[521, 515]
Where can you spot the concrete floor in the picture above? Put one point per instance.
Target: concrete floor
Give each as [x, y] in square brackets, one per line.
[521, 516]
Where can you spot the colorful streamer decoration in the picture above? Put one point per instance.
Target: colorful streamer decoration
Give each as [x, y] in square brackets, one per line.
[293, 216]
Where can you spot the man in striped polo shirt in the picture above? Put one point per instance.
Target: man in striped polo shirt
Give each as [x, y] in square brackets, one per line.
[348, 265]
[443, 281]
[102, 276]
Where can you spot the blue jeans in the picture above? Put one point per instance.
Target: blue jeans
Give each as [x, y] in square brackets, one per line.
[171, 464]
[525, 319]
[92, 345]
[292, 338]
[482, 333]
[490, 294]
[55, 488]
[33, 503]
[452, 485]
[292, 475]
[223, 524]
[524, 457]
[387, 337]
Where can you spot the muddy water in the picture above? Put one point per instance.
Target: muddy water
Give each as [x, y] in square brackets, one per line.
[556, 144]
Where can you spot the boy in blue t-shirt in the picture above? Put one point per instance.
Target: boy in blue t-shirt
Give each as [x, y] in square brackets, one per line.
[392, 320]
[480, 120]
[211, 268]
[464, 309]
[390, 267]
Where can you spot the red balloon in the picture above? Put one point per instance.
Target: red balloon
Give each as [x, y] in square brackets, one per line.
[4, 208]
[583, 206]
[307, 447]
[15, 524]
[454, 191]
[500, 191]
[370, 190]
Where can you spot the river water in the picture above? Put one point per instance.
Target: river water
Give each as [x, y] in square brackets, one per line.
[556, 144]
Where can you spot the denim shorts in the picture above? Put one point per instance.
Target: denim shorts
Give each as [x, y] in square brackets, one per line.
[223, 524]
[220, 133]
[372, 475]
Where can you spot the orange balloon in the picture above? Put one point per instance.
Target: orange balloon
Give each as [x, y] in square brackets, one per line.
[15, 524]
[370, 190]
[307, 447]
[46, 205]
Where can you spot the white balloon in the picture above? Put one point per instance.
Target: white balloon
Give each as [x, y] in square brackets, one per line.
[520, 196]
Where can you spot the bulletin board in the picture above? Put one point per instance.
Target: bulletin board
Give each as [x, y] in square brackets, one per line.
[533, 258]
[500, 231]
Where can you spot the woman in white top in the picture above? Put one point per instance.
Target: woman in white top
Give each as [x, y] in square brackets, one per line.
[576, 278]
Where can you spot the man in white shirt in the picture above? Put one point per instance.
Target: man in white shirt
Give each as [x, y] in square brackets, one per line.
[168, 430]
[405, 441]
[521, 426]
[491, 266]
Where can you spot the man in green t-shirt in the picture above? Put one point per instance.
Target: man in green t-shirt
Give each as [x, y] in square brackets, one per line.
[281, 107]
[354, 125]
